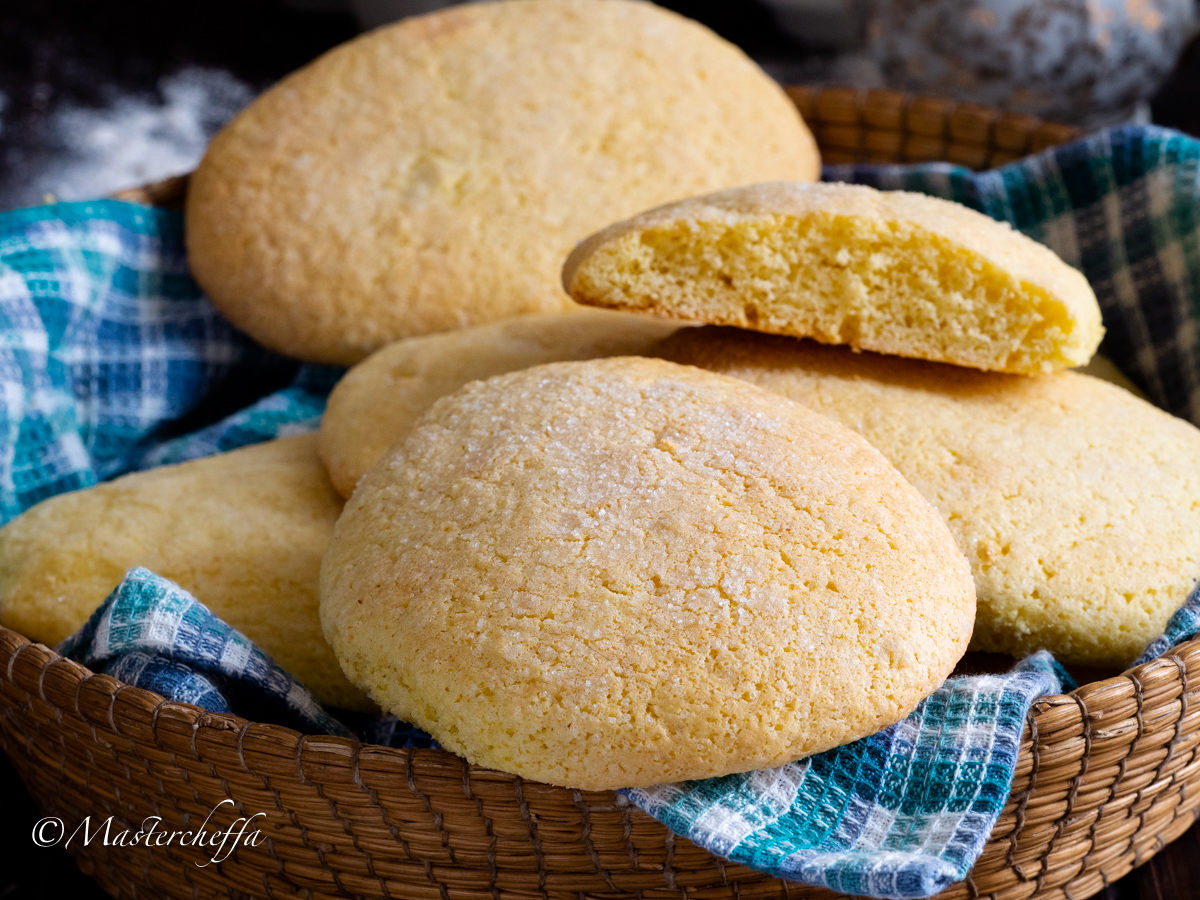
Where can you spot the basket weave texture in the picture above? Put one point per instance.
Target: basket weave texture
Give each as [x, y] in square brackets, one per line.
[1107, 775]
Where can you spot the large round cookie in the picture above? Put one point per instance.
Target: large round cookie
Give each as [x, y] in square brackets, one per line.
[243, 531]
[433, 174]
[380, 399]
[621, 572]
[1076, 503]
[889, 271]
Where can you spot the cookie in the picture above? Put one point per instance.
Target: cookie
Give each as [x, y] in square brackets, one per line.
[243, 531]
[377, 401]
[893, 272]
[621, 572]
[1076, 503]
[434, 174]
[380, 399]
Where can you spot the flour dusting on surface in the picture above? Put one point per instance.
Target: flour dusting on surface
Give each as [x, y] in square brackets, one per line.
[139, 137]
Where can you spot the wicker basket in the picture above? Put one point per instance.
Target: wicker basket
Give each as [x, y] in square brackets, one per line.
[1107, 776]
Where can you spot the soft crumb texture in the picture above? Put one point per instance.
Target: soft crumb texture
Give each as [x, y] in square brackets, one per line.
[893, 272]
[434, 174]
[1076, 503]
[621, 572]
[244, 532]
[381, 398]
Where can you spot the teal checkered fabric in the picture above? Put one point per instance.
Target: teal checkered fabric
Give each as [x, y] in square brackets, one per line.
[152, 633]
[903, 813]
[110, 353]
[295, 409]
[1183, 625]
[114, 361]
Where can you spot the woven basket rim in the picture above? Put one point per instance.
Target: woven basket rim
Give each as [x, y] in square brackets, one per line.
[15, 641]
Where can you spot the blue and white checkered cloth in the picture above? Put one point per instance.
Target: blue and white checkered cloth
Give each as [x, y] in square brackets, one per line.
[111, 359]
[114, 361]
[152, 633]
[903, 813]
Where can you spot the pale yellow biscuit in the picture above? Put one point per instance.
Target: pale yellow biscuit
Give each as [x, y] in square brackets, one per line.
[377, 401]
[894, 272]
[243, 531]
[380, 399]
[433, 174]
[1076, 503]
[621, 572]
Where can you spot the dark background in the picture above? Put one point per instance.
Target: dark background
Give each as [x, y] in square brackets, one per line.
[87, 55]
[59, 58]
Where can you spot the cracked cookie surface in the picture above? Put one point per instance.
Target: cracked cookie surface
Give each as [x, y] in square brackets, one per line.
[433, 174]
[1076, 503]
[379, 400]
[621, 572]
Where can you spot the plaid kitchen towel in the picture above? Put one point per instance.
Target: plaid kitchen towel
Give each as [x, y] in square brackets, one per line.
[296, 409]
[152, 633]
[108, 350]
[902, 813]
[113, 361]
[1183, 625]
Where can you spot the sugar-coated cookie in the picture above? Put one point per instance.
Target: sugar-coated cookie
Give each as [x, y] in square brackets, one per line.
[380, 399]
[1076, 503]
[243, 531]
[889, 271]
[433, 174]
[620, 572]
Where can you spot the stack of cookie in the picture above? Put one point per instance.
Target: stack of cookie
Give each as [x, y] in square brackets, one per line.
[1074, 503]
[601, 547]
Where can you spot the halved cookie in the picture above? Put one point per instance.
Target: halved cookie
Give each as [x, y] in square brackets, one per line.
[893, 272]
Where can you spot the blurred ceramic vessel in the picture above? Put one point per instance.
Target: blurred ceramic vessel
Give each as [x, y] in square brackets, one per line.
[1087, 62]
[1090, 62]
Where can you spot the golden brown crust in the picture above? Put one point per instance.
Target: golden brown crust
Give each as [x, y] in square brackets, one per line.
[1076, 503]
[433, 174]
[621, 572]
[379, 400]
[243, 531]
